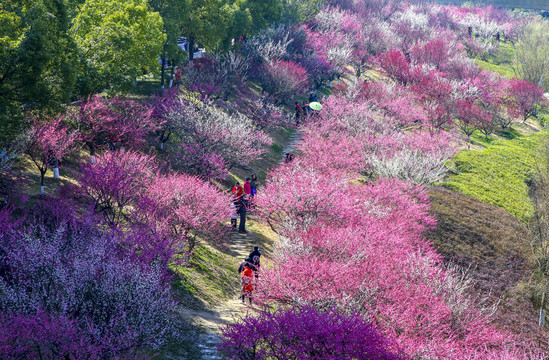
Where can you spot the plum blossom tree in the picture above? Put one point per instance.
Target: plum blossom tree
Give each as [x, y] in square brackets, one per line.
[213, 140]
[523, 98]
[183, 208]
[44, 336]
[116, 181]
[72, 290]
[419, 158]
[160, 106]
[103, 122]
[47, 141]
[285, 78]
[306, 333]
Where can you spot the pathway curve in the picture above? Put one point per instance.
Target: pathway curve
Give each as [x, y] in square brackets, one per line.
[227, 312]
[209, 322]
[292, 144]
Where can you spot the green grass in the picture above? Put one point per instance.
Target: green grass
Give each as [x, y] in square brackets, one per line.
[503, 69]
[500, 62]
[209, 277]
[499, 174]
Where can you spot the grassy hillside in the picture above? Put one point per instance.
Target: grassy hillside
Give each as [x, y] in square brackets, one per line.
[499, 174]
[494, 249]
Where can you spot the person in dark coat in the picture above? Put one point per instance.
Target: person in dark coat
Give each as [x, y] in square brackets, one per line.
[255, 257]
[247, 260]
[298, 111]
[242, 206]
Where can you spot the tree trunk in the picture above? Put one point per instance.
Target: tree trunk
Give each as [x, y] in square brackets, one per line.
[42, 175]
[541, 321]
[191, 49]
[162, 72]
[56, 169]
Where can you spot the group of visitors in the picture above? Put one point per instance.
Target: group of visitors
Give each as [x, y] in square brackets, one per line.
[242, 197]
[303, 110]
[289, 157]
[249, 269]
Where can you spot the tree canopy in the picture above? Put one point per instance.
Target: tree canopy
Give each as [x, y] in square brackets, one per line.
[37, 57]
[119, 40]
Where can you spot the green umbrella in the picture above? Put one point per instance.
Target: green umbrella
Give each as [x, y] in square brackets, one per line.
[315, 105]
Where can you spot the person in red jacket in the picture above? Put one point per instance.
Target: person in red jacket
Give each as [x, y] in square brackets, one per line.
[237, 192]
[297, 113]
[247, 277]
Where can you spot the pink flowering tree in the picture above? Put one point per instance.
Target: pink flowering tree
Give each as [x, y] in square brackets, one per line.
[115, 182]
[374, 260]
[304, 195]
[47, 141]
[523, 98]
[306, 333]
[285, 78]
[212, 140]
[468, 116]
[114, 123]
[182, 209]
[396, 66]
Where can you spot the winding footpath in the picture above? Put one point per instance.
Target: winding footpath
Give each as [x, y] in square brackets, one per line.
[209, 322]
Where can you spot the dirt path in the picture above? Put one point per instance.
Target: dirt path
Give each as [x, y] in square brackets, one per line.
[209, 322]
[292, 144]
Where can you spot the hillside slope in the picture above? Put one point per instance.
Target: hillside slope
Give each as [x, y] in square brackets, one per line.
[493, 247]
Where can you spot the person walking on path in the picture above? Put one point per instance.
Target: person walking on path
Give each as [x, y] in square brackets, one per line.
[253, 185]
[289, 157]
[234, 214]
[247, 277]
[297, 113]
[237, 192]
[242, 208]
[247, 187]
[255, 257]
[247, 260]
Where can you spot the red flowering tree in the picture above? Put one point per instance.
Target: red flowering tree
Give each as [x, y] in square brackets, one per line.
[114, 122]
[523, 98]
[47, 141]
[285, 78]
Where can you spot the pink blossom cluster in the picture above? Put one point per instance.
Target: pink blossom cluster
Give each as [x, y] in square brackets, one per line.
[167, 213]
[351, 209]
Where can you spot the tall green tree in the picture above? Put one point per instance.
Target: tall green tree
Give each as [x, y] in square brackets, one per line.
[205, 22]
[171, 11]
[37, 58]
[119, 40]
[532, 53]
